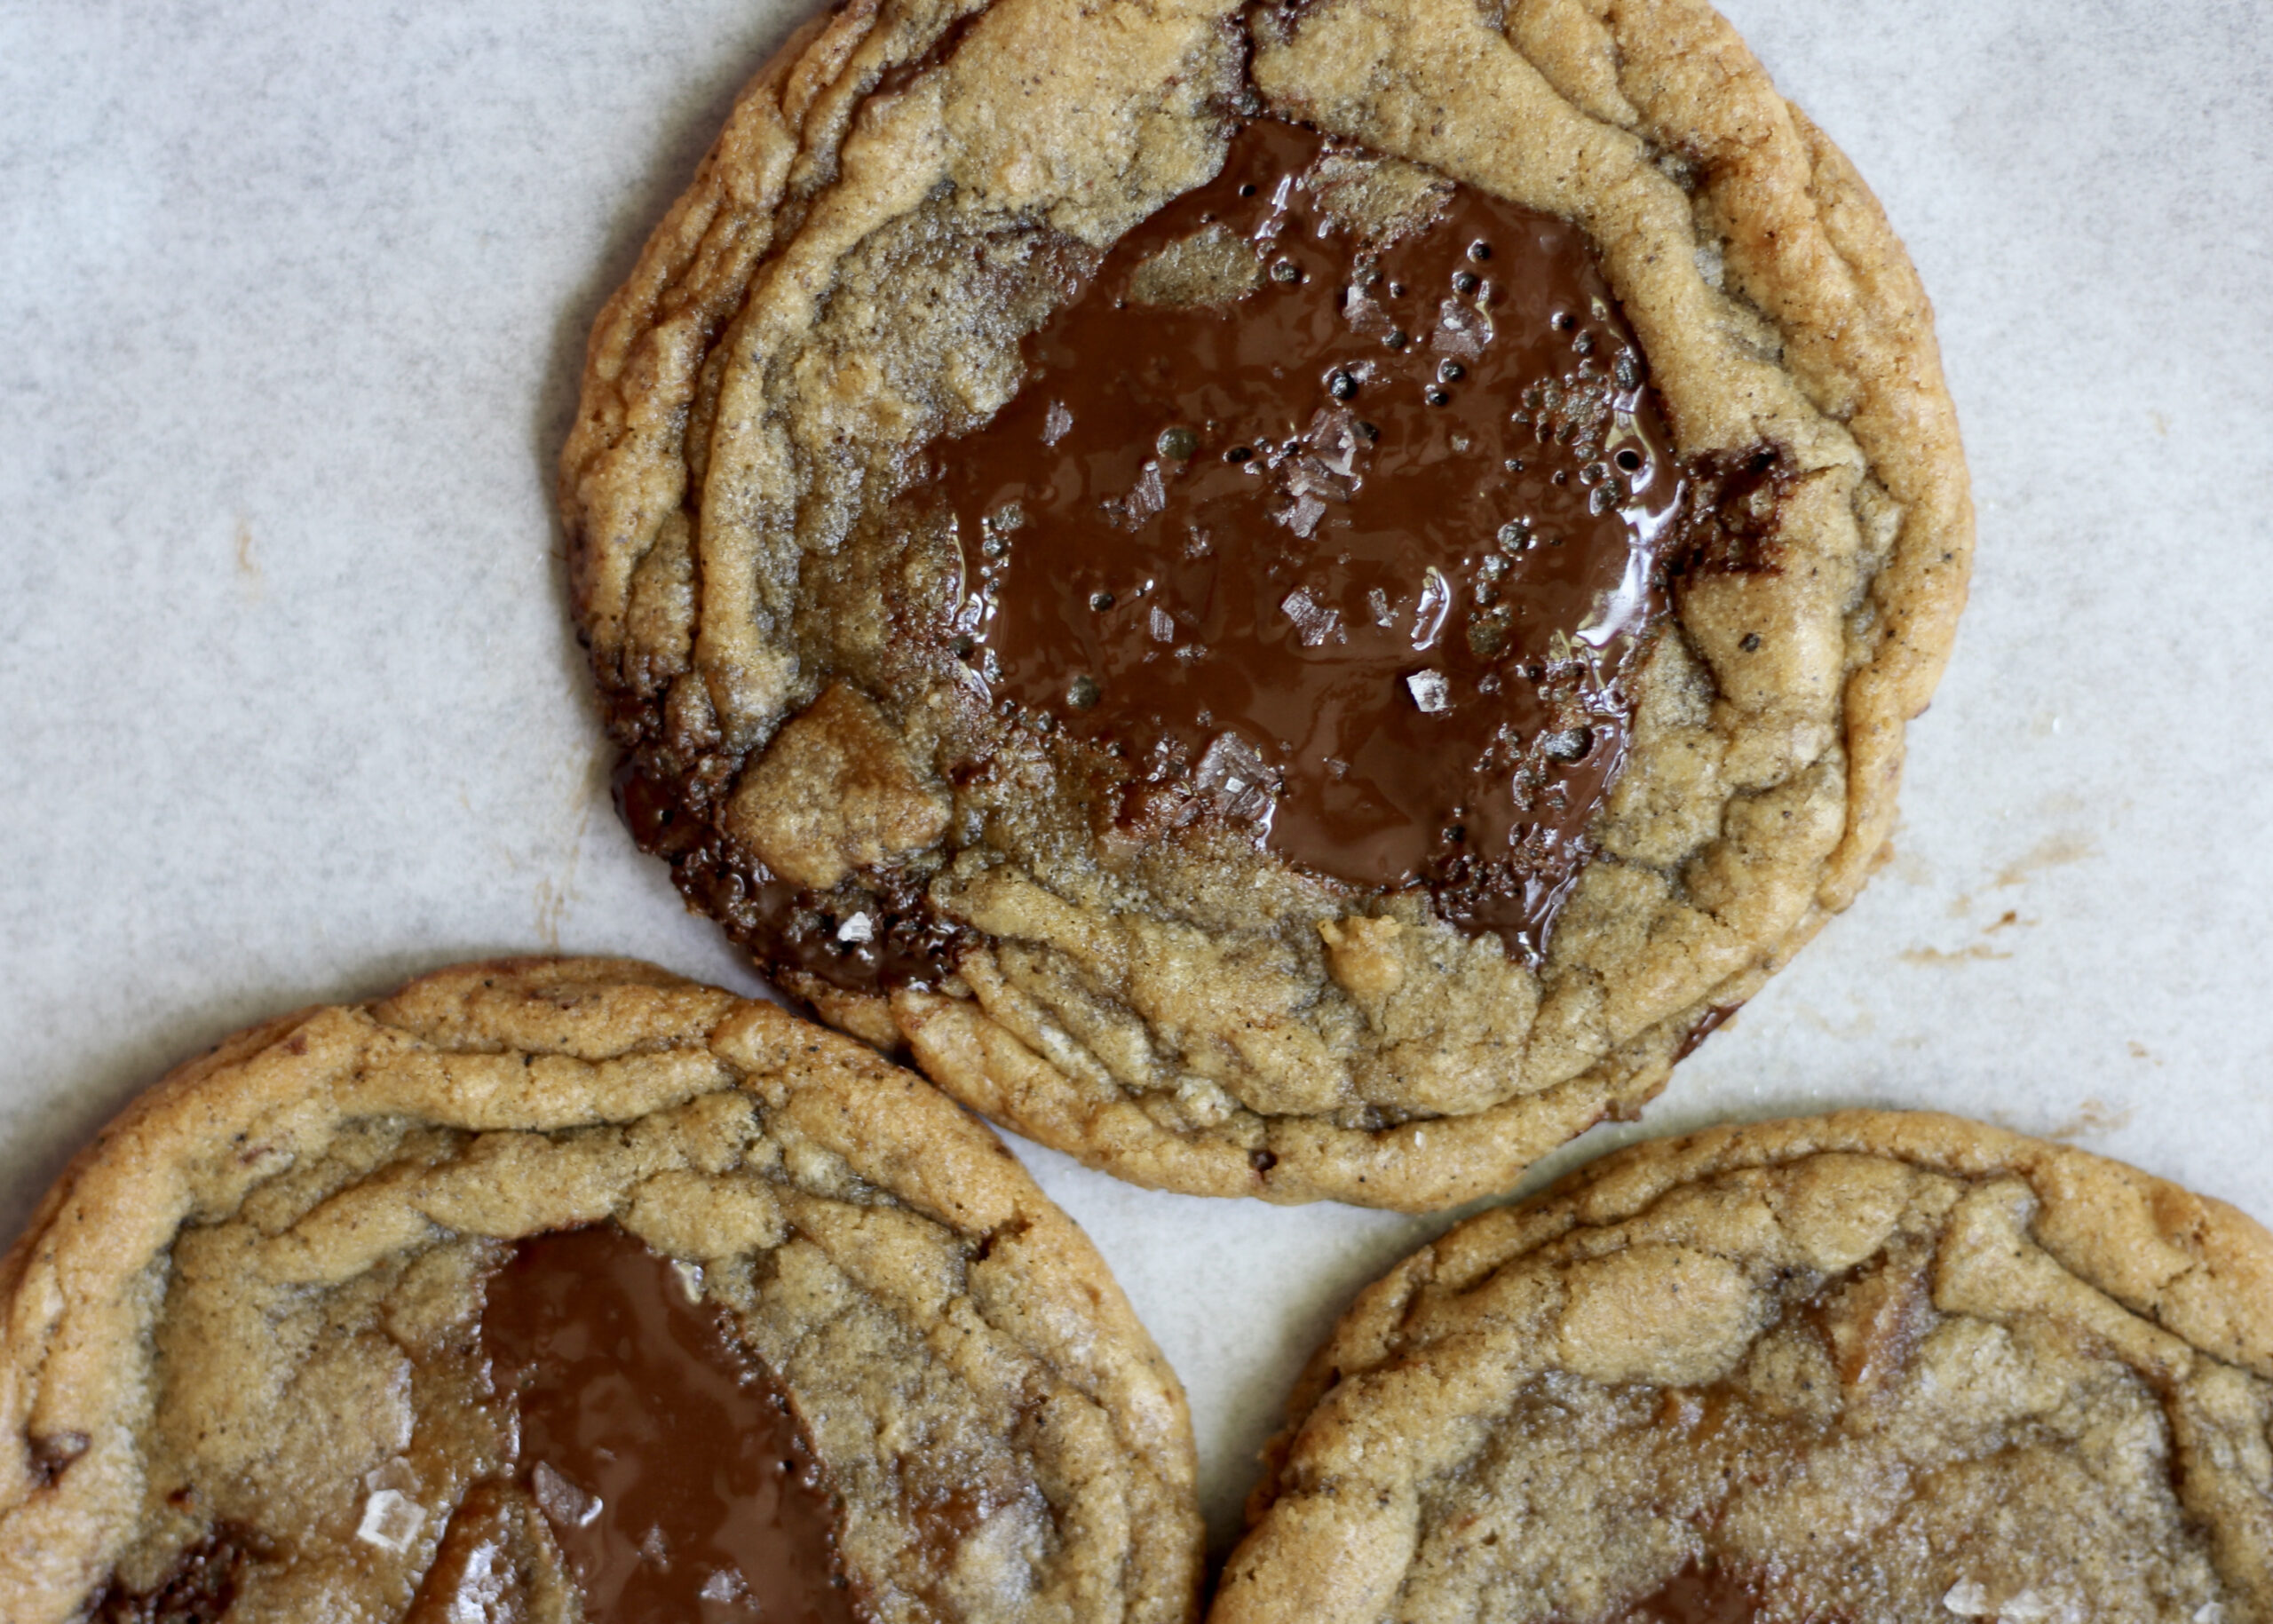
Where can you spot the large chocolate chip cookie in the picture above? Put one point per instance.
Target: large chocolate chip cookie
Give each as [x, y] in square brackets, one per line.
[1296, 600]
[562, 1290]
[1869, 1368]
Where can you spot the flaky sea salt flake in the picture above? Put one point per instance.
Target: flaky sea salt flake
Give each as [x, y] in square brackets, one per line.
[562, 1501]
[1968, 1598]
[1231, 775]
[1313, 623]
[1461, 330]
[1430, 692]
[391, 1521]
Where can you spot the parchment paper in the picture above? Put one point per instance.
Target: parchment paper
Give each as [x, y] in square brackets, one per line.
[291, 311]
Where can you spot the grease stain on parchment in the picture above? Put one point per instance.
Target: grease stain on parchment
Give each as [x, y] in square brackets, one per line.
[2053, 851]
[1937, 955]
[2093, 1118]
[251, 582]
[557, 891]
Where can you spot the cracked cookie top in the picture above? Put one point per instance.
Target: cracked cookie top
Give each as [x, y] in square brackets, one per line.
[561, 1290]
[1294, 600]
[1870, 1366]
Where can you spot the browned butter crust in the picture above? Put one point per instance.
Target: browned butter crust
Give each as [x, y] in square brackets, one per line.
[1870, 1367]
[903, 196]
[235, 1376]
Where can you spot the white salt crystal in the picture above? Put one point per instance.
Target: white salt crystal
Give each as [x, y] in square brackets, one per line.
[391, 1521]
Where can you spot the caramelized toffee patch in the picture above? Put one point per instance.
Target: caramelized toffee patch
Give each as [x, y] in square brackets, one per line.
[667, 1463]
[1335, 502]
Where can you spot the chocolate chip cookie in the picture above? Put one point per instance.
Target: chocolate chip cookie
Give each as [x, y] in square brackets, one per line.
[1295, 599]
[560, 1290]
[1868, 1366]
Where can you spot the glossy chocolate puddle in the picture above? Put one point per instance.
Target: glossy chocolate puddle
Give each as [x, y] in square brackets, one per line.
[1335, 502]
[666, 1462]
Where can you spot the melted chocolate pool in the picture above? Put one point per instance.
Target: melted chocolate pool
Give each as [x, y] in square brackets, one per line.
[1344, 526]
[667, 1462]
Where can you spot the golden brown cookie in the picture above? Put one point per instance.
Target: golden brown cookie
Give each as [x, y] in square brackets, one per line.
[566, 1289]
[1869, 1366]
[1295, 599]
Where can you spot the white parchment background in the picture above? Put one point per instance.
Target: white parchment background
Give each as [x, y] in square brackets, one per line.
[292, 304]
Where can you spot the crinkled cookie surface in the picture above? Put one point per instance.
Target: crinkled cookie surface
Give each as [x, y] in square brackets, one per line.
[240, 1376]
[905, 196]
[1869, 1366]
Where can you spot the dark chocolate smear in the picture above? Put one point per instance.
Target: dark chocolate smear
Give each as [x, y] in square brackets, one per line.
[666, 1460]
[1366, 555]
[54, 1451]
[1707, 1024]
[1699, 1594]
[867, 936]
[199, 1588]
